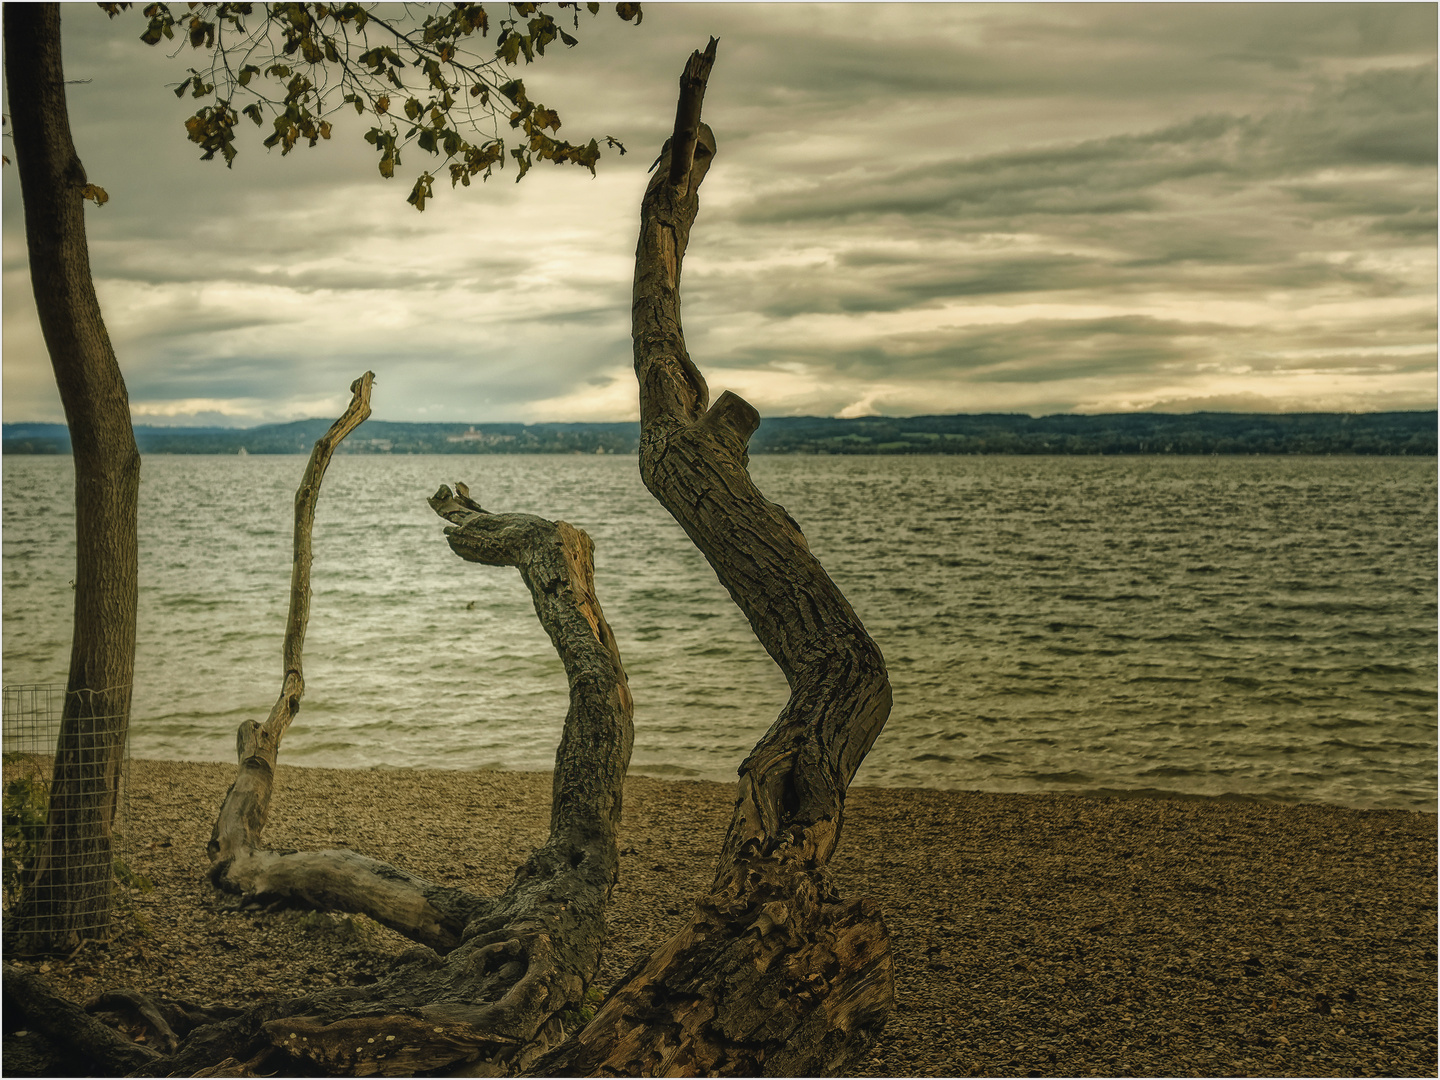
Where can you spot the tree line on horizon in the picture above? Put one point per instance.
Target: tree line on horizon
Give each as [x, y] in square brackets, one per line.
[1385, 434]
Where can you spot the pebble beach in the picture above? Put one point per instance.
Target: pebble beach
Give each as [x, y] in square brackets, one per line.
[1034, 935]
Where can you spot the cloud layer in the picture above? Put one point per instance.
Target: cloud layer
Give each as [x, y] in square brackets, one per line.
[924, 208]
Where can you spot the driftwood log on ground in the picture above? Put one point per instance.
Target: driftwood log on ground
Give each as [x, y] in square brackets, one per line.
[775, 974]
[512, 964]
[69, 1039]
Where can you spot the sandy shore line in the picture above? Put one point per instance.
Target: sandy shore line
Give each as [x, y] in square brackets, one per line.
[1044, 935]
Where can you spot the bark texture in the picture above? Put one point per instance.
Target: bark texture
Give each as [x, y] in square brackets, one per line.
[66, 897]
[775, 975]
[61, 1034]
[493, 981]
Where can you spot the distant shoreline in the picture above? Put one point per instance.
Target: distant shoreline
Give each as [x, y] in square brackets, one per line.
[1101, 794]
[1390, 434]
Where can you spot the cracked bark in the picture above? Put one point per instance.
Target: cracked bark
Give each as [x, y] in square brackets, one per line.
[775, 974]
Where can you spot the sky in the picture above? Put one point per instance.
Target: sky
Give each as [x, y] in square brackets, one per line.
[914, 209]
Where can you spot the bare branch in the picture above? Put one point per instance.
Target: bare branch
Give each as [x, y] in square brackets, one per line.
[693, 81]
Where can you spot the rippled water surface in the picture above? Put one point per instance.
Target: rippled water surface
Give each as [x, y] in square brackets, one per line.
[1260, 627]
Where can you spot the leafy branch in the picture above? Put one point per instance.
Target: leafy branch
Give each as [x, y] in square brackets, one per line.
[298, 64]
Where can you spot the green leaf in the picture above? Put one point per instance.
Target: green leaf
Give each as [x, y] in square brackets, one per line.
[180, 90]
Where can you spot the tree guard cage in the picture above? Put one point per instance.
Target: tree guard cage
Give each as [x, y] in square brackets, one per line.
[30, 739]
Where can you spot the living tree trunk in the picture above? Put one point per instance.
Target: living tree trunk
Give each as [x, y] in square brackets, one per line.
[66, 892]
[775, 974]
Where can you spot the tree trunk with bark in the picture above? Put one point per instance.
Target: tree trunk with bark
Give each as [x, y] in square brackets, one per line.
[775, 974]
[66, 892]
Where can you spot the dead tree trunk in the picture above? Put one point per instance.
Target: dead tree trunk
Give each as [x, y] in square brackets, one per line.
[775, 975]
[236, 836]
[512, 963]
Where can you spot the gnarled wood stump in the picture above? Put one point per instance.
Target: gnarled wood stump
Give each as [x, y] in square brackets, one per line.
[774, 975]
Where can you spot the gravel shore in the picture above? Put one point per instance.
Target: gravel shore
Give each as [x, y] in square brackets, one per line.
[1035, 935]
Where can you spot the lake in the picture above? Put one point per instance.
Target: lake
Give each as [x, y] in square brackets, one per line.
[1259, 627]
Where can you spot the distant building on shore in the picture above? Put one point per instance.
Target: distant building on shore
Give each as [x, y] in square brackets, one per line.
[474, 436]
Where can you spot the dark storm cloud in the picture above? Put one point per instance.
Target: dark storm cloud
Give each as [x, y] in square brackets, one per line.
[867, 280]
[1033, 351]
[1374, 119]
[880, 58]
[1215, 205]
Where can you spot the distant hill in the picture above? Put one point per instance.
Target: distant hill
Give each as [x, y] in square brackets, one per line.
[1392, 433]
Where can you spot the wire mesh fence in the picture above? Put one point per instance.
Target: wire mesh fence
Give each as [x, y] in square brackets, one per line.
[61, 892]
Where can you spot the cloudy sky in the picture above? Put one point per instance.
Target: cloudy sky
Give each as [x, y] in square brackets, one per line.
[915, 209]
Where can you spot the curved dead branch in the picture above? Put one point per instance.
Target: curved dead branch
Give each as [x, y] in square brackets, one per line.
[775, 974]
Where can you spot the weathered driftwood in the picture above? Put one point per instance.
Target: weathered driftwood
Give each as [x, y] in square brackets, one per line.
[238, 864]
[775, 974]
[60, 1033]
[514, 962]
